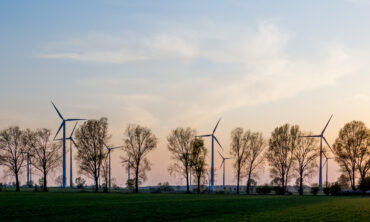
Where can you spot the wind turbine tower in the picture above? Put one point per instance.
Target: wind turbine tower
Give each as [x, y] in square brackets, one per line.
[63, 125]
[109, 151]
[212, 154]
[128, 167]
[327, 168]
[28, 168]
[223, 164]
[70, 138]
[322, 137]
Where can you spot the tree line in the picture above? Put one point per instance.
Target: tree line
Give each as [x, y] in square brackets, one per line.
[287, 153]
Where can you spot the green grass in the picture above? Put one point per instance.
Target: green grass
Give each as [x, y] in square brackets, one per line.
[57, 206]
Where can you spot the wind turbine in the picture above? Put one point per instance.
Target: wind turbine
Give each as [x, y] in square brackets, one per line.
[322, 137]
[223, 163]
[63, 125]
[70, 138]
[128, 167]
[212, 163]
[327, 168]
[29, 176]
[110, 150]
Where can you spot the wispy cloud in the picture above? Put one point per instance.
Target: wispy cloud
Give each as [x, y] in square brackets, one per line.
[255, 65]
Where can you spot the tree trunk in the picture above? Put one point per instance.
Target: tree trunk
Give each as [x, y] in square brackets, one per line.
[45, 188]
[301, 184]
[353, 180]
[137, 179]
[198, 184]
[96, 178]
[249, 182]
[283, 181]
[16, 182]
[237, 183]
[187, 180]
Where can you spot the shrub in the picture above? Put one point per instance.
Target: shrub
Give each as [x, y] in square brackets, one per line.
[1, 187]
[80, 182]
[279, 190]
[165, 186]
[36, 188]
[327, 190]
[220, 192]
[314, 190]
[365, 184]
[266, 189]
[335, 189]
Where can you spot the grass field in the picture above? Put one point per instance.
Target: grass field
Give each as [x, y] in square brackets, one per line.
[57, 206]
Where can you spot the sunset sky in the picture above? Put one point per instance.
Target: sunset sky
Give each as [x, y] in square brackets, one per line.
[165, 64]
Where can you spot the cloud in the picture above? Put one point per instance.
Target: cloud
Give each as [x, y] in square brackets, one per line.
[361, 2]
[209, 71]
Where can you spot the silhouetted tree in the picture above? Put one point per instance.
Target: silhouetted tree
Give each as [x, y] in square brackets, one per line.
[91, 153]
[59, 180]
[343, 181]
[138, 142]
[254, 156]
[280, 156]
[305, 154]
[198, 161]
[239, 142]
[12, 147]
[46, 154]
[352, 150]
[180, 145]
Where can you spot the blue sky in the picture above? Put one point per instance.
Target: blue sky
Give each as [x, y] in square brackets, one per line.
[165, 64]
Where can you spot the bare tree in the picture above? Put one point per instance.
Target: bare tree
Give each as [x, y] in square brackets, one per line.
[180, 144]
[239, 141]
[138, 142]
[90, 138]
[254, 156]
[352, 150]
[198, 161]
[280, 155]
[46, 154]
[59, 181]
[305, 154]
[12, 147]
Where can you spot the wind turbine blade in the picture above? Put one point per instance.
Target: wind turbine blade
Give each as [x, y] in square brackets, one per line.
[60, 127]
[74, 143]
[112, 148]
[328, 144]
[214, 130]
[106, 146]
[223, 162]
[60, 115]
[218, 142]
[73, 129]
[74, 119]
[325, 155]
[322, 133]
[220, 155]
[311, 136]
[207, 135]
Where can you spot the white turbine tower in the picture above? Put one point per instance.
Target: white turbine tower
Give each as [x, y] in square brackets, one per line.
[128, 167]
[110, 149]
[212, 154]
[322, 137]
[223, 164]
[327, 168]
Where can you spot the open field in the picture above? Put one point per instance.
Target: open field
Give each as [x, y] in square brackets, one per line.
[57, 206]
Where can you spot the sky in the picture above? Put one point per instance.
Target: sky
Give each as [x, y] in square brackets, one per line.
[168, 64]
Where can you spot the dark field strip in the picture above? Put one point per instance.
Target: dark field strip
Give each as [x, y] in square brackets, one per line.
[64, 206]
